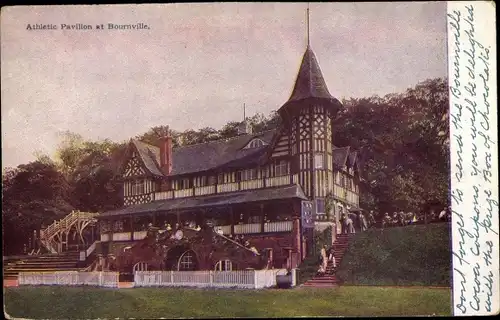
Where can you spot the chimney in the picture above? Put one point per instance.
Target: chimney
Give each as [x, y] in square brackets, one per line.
[245, 128]
[166, 155]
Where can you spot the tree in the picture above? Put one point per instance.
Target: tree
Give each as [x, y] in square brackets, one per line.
[34, 194]
[402, 139]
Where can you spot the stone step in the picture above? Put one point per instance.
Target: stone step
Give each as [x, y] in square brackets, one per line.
[322, 286]
[323, 280]
[58, 266]
[47, 261]
[73, 268]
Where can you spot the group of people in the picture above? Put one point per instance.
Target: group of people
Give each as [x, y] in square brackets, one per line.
[407, 218]
[350, 222]
[398, 219]
[326, 255]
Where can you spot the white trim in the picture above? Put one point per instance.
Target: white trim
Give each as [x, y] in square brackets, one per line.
[255, 143]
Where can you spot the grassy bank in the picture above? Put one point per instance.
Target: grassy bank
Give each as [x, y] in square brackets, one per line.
[412, 255]
[93, 303]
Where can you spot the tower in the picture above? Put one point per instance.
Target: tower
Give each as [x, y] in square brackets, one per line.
[308, 115]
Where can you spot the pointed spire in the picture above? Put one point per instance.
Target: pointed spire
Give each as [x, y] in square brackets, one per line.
[310, 82]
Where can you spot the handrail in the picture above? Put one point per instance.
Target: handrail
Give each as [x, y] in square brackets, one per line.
[91, 248]
[236, 243]
[63, 224]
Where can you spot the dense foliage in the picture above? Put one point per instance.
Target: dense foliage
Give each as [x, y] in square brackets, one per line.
[402, 140]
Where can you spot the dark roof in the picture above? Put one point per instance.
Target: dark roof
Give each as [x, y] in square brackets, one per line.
[207, 156]
[150, 155]
[352, 158]
[340, 156]
[286, 192]
[310, 82]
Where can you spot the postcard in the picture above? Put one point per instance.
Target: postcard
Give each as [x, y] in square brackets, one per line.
[224, 160]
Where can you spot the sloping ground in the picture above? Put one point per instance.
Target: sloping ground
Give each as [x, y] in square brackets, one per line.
[411, 255]
[52, 302]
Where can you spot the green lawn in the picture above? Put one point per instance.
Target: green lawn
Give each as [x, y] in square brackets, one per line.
[92, 303]
[413, 255]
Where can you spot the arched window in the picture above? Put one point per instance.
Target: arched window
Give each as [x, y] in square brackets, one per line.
[140, 266]
[255, 143]
[187, 262]
[224, 265]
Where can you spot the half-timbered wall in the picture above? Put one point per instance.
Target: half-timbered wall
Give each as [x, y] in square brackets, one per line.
[282, 146]
[137, 188]
[311, 145]
[134, 166]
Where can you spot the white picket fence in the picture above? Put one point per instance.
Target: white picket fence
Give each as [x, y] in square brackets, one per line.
[245, 279]
[70, 278]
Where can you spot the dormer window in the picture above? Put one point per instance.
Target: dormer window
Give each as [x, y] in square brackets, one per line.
[255, 143]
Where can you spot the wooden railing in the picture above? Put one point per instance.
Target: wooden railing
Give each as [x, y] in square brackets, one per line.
[200, 191]
[276, 226]
[122, 236]
[346, 195]
[252, 184]
[139, 235]
[247, 228]
[227, 187]
[63, 225]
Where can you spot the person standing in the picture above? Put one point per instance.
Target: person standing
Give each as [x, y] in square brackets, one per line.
[371, 219]
[386, 220]
[349, 224]
[331, 257]
[362, 222]
[342, 223]
[442, 214]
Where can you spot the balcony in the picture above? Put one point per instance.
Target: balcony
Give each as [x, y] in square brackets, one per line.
[248, 228]
[346, 195]
[227, 187]
[122, 236]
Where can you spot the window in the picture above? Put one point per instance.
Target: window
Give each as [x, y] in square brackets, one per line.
[140, 266]
[255, 143]
[187, 261]
[342, 180]
[137, 187]
[212, 180]
[320, 206]
[184, 183]
[249, 174]
[224, 265]
[265, 172]
[319, 161]
[220, 178]
[281, 168]
[118, 226]
[200, 181]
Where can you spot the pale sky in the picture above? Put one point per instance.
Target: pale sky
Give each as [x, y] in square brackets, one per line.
[197, 64]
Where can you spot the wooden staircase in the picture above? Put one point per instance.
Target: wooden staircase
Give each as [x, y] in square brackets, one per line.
[328, 279]
[56, 235]
[67, 261]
